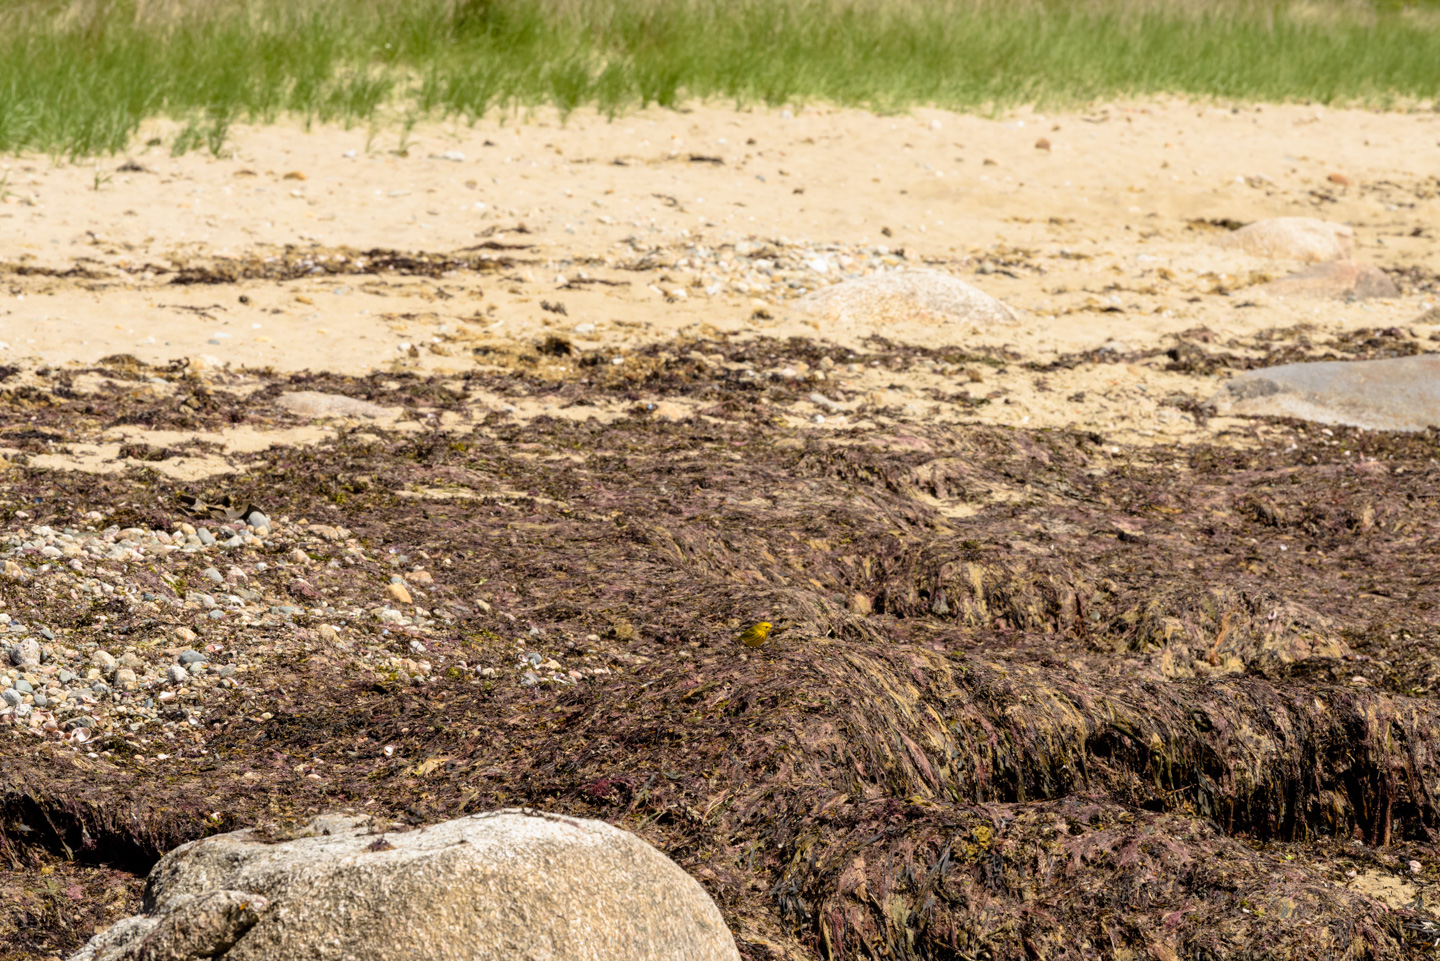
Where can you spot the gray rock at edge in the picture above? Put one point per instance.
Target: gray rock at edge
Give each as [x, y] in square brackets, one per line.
[505, 885]
[313, 403]
[1401, 394]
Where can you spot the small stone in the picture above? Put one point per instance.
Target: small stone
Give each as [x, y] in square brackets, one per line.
[125, 680]
[26, 654]
[298, 556]
[104, 661]
[23, 686]
[66, 677]
[205, 536]
[529, 678]
[14, 571]
[398, 593]
[257, 520]
[417, 648]
[421, 577]
[185, 635]
[190, 657]
[46, 633]
[1043, 144]
[482, 606]
[177, 674]
[83, 720]
[860, 605]
[1339, 179]
[328, 634]
[213, 575]
[41, 700]
[131, 661]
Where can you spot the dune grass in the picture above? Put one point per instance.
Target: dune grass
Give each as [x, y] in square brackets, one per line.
[78, 78]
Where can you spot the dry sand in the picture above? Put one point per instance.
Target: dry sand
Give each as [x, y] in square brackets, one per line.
[1097, 240]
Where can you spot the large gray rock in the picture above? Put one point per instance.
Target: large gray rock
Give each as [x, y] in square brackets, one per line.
[508, 886]
[906, 302]
[1293, 238]
[313, 403]
[1400, 394]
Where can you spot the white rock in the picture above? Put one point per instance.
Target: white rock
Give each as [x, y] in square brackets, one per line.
[917, 303]
[1293, 238]
[312, 403]
[504, 885]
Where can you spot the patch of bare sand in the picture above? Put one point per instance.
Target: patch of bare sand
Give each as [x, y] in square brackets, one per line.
[667, 226]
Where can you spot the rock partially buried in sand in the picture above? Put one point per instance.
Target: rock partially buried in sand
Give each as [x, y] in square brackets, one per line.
[1401, 394]
[906, 298]
[1340, 281]
[1293, 238]
[312, 403]
[501, 886]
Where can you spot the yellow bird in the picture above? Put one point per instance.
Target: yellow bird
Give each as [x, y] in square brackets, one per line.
[755, 636]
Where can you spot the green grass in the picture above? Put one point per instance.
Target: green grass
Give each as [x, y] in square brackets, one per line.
[78, 78]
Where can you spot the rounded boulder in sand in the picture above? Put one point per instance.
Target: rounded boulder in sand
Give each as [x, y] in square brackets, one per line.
[1337, 281]
[314, 404]
[908, 302]
[501, 886]
[1293, 238]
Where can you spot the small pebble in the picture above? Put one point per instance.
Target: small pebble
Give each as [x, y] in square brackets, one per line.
[177, 674]
[190, 657]
[213, 575]
[398, 593]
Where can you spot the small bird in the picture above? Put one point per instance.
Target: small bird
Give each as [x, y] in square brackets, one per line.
[756, 635]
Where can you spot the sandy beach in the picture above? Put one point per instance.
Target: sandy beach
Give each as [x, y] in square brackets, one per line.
[1097, 226]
